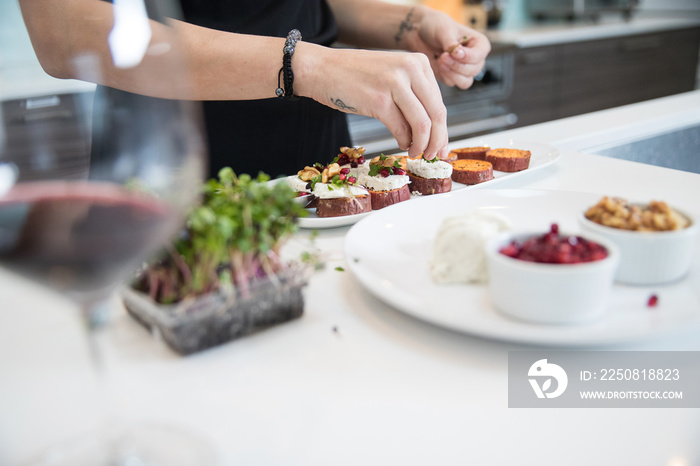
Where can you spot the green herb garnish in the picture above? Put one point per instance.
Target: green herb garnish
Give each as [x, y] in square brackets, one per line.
[230, 240]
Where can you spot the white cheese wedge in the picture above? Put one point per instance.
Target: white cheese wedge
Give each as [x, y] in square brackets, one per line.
[459, 254]
[430, 171]
[297, 184]
[380, 183]
[327, 191]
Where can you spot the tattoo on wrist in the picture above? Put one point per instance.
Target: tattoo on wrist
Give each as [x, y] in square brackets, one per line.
[341, 105]
[405, 26]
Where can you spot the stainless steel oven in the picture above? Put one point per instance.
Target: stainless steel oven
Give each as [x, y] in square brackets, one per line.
[478, 110]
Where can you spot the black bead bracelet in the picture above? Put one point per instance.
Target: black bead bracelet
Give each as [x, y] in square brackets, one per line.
[286, 74]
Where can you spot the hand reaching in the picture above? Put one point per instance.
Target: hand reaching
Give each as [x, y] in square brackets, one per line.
[456, 52]
[397, 88]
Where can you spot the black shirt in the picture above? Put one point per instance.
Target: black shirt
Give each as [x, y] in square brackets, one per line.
[277, 136]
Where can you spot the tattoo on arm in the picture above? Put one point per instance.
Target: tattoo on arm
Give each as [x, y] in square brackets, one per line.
[341, 105]
[406, 25]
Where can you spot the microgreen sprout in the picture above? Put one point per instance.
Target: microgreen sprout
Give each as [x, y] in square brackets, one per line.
[230, 240]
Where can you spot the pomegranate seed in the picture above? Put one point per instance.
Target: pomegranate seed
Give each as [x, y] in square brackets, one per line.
[342, 176]
[653, 300]
[345, 171]
[555, 249]
[361, 159]
[353, 164]
[352, 180]
[399, 171]
[384, 172]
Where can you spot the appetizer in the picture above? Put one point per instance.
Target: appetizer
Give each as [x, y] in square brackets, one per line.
[468, 171]
[338, 193]
[302, 181]
[508, 160]
[387, 182]
[472, 153]
[429, 176]
[353, 158]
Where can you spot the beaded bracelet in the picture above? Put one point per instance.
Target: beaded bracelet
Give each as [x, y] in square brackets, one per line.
[286, 70]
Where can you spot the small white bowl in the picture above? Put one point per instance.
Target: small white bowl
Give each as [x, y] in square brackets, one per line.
[550, 293]
[649, 257]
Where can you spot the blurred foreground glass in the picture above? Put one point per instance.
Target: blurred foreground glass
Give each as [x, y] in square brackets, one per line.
[93, 181]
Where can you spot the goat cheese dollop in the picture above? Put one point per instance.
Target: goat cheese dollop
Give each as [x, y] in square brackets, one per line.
[327, 191]
[297, 184]
[380, 183]
[459, 254]
[428, 170]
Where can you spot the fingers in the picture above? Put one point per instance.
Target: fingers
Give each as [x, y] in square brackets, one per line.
[427, 123]
[399, 89]
[458, 65]
[425, 112]
[398, 126]
[455, 73]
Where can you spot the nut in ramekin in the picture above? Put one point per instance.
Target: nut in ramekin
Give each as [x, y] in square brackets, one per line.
[653, 250]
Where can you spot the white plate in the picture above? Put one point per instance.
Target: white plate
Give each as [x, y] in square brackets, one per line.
[542, 155]
[316, 222]
[395, 270]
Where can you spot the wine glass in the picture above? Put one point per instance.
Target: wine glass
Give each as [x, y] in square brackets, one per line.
[94, 179]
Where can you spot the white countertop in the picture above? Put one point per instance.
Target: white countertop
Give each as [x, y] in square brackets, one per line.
[534, 34]
[384, 389]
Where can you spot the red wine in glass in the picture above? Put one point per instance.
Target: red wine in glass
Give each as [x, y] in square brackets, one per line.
[78, 237]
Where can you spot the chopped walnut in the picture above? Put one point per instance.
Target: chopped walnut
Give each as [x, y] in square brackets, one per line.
[308, 173]
[353, 152]
[387, 162]
[329, 172]
[617, 213]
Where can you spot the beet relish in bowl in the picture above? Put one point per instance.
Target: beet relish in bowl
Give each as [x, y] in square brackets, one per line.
[551, 278]
[553, 248]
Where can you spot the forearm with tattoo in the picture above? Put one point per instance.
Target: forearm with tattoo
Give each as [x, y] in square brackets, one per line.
[405, 26]
[341, 105]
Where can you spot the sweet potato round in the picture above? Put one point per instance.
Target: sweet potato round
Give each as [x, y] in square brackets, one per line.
[471, 153]
[343, 206]
[468, 171]
[508, 160]
[427, 186]
[381, 199]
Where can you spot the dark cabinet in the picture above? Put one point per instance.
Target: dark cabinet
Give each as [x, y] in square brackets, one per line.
[563, 80]
[47, 135]
[535, 82]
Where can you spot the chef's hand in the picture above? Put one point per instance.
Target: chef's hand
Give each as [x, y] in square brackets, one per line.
[397, 88]
[456, 52]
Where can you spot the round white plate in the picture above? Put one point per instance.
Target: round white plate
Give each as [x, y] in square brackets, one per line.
[315, 222]
[393, 266]
[542, 155]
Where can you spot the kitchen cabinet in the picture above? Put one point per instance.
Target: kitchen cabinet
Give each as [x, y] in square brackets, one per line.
[561, 80]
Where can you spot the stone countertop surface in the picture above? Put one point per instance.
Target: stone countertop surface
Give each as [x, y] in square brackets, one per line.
[355, 381]
[531, 34]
